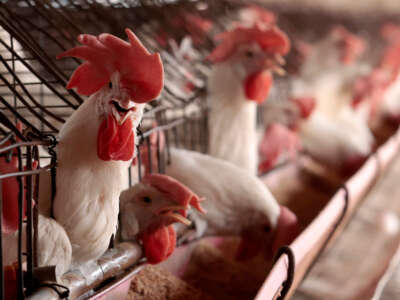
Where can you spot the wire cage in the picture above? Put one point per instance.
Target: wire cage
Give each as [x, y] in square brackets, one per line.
[33, 93]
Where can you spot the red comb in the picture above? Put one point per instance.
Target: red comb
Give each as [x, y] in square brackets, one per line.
[271, 40]
[174, 190]
[141, 73]
[305, 105]
[351, 46]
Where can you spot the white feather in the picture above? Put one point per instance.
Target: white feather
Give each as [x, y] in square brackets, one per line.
[234, 199]
[334, 141]
[232, 119]
[88, 189]
[54, 247]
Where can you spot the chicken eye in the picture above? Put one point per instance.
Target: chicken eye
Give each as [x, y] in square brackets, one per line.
[146, 200]
[110, 85]
[267, 228]
[249, 53]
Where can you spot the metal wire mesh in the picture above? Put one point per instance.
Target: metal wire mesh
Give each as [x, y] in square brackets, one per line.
[32, 86]
[32, 81]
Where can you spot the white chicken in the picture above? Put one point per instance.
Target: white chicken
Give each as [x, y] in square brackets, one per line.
[149, 209]
[236, 203]
[241, 78]
[282, 119]
[335, 133]
[92, 166]
[379, 91]
[54, 247]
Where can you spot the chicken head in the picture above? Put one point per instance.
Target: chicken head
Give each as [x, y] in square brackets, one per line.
[148, 211]
[255, 53]
[126, 75]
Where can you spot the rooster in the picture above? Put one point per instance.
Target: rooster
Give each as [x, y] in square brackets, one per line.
[149, 209]
[240, 79]
[97, 143]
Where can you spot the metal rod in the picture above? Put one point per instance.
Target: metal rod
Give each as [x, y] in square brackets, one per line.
[139, 163]
[45, 82]
[149, 156]
[167, 144]
[30, 96]
[23, 144]
[20, 98]
[17, 115]
[36, 208]
[47, 64]
[24, 173]
[160, 168]
[1, 244]
[8, 137]
[20, 277]
[29, 220]
[175, 134]
[163, 127]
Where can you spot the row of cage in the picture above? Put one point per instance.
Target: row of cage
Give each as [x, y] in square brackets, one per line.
[33, 93]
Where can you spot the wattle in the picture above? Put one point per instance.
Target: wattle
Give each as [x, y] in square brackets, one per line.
[257, 86]
[158, 242]
[115, 141]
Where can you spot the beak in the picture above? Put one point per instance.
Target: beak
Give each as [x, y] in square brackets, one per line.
[171, 213]
[121, 114]
[275, 64]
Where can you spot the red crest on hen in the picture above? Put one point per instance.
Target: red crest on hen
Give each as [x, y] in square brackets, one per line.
[141, 73]
[271, 40]
[174, 190]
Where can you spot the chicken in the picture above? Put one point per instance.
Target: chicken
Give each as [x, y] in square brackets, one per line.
[329, 70]
[237, 204]
[281, 140]
[120, 77]
[337, 145]
[277, 141]
[379, 91]
[240, 79]
[148, 210]
[54, 249]
[334, 126]
[53, 242]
